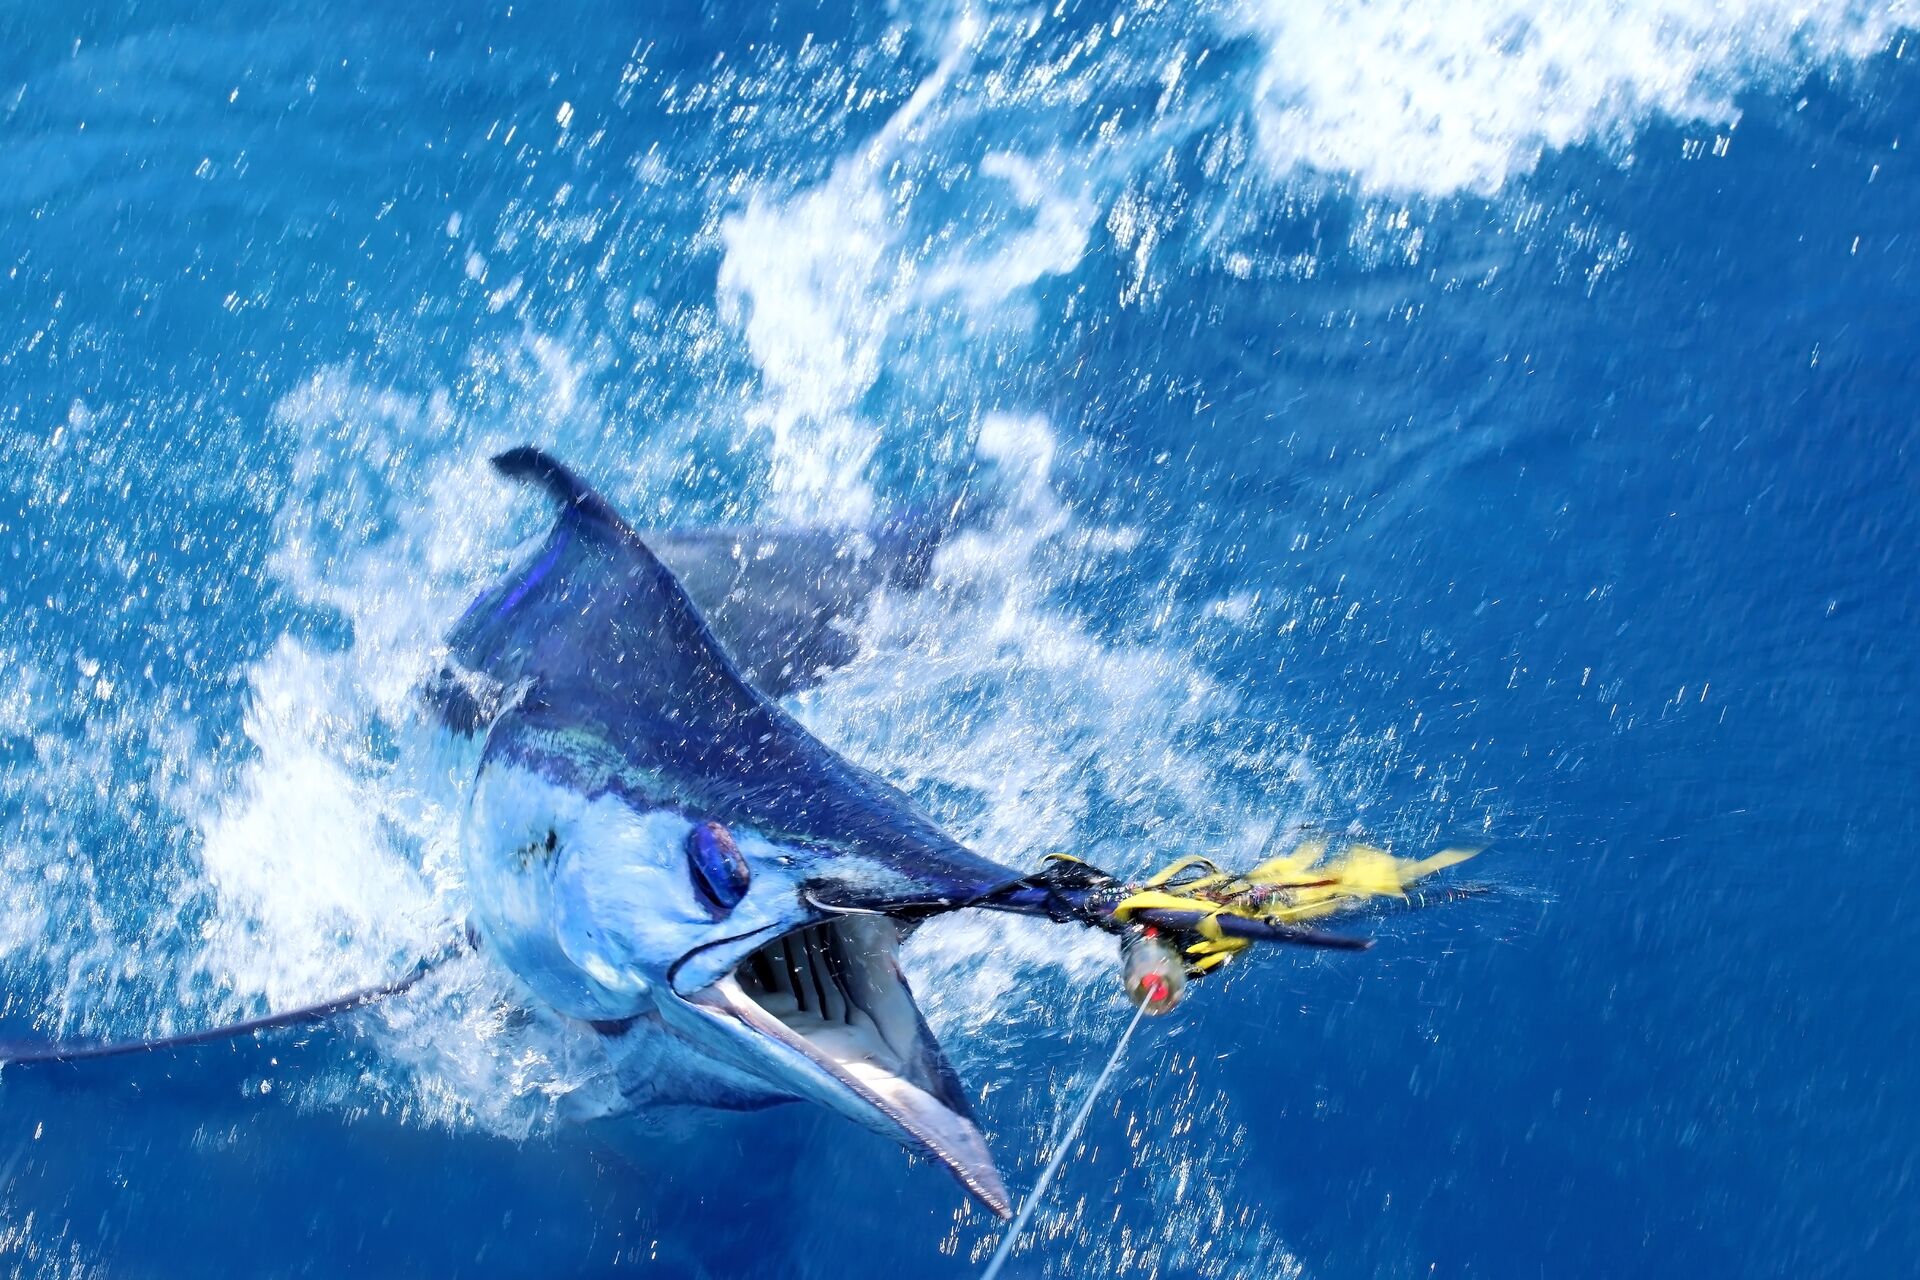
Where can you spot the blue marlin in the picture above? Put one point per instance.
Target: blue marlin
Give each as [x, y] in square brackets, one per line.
[656, 847]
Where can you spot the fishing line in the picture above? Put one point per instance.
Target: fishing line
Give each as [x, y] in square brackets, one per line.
[1060, 1152]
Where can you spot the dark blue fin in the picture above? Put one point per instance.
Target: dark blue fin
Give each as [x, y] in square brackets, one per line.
[593, 634]
[780, 603]
[80, 1050]
[592, 586]
[568, 490]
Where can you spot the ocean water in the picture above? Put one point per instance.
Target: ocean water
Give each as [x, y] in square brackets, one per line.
[1491, 421]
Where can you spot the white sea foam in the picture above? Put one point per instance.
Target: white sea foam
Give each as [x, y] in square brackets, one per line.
[313, 896]
[821, 283]
[333, 860]
[814, 281]
[1435, 99]
[982, 689]
[86, 761]
[22, 905]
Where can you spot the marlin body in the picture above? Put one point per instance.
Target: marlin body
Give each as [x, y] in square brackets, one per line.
[655, 847]
[657, 850]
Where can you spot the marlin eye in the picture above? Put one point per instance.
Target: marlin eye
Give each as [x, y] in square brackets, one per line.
[719, 872]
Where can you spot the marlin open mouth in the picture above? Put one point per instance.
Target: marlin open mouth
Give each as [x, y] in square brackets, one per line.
[828, 1005]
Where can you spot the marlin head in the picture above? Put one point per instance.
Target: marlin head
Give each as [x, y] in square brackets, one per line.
[649, 835]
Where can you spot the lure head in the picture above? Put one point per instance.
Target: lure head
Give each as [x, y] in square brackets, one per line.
[1151, 971]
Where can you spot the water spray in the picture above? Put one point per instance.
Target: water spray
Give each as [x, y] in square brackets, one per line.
[1191, 918]
[1067, 1140]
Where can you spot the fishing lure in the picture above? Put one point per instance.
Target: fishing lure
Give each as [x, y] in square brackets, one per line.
[1190, 918]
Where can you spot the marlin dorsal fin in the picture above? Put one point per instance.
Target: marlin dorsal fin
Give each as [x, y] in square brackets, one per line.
[567, 489]
[595, 639]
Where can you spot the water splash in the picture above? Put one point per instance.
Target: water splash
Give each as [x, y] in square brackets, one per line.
[1406, 97]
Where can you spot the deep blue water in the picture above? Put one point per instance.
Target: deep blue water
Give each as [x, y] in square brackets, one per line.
[1497, 424]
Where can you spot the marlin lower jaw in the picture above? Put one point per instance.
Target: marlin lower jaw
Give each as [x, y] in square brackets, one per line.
[823, 1012]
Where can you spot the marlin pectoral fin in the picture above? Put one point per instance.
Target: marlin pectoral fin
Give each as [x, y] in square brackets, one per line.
[17, 1052]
